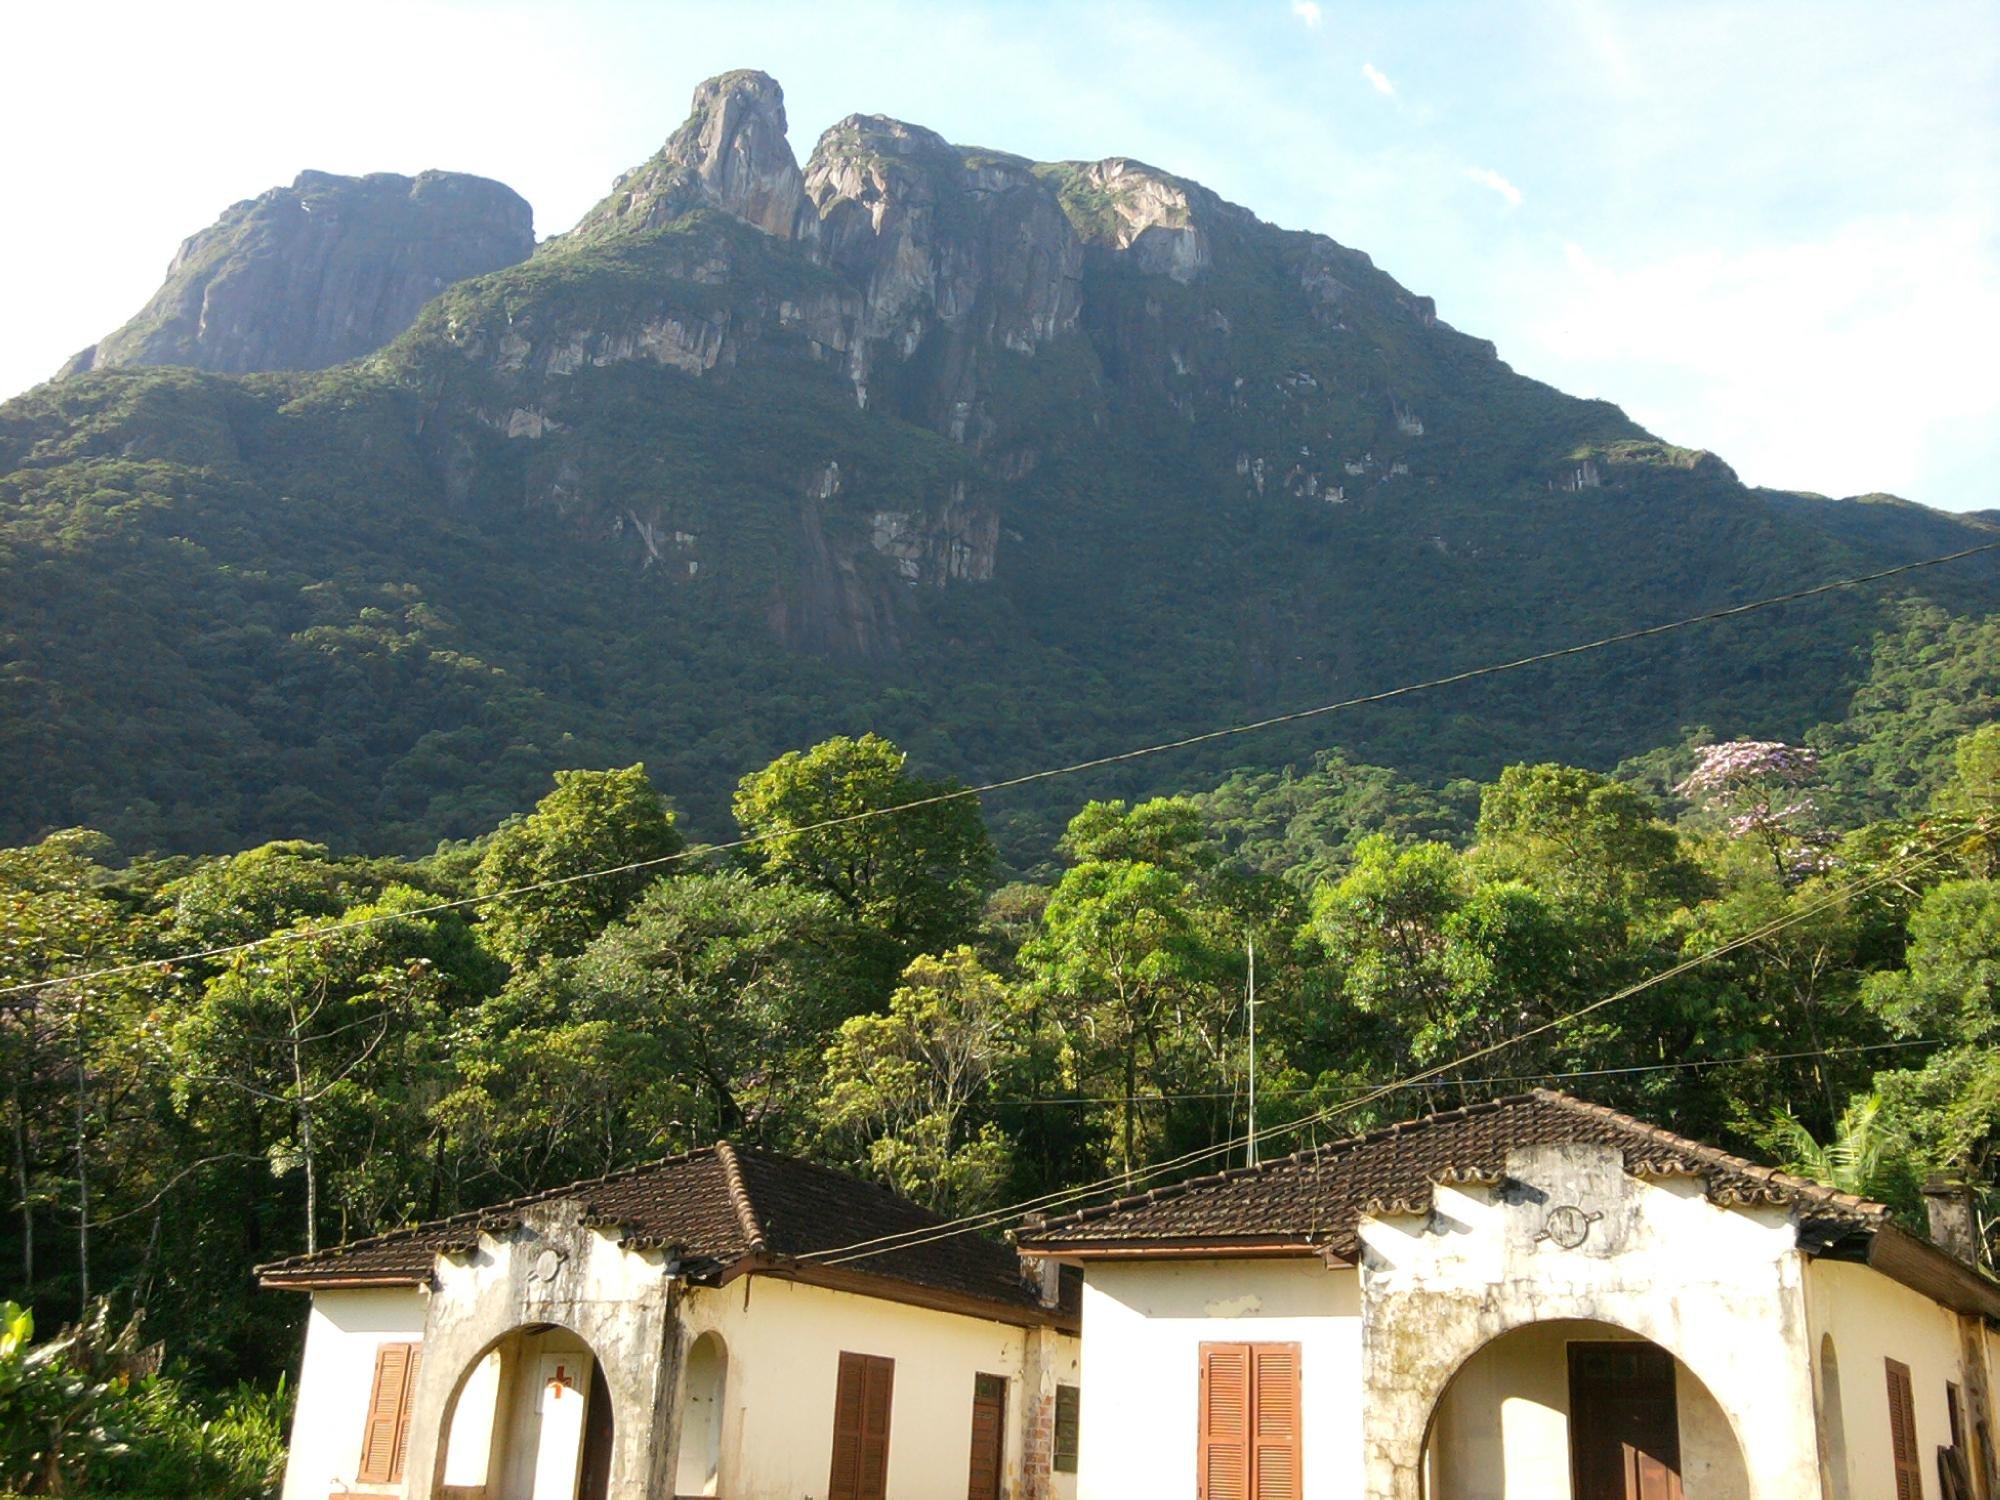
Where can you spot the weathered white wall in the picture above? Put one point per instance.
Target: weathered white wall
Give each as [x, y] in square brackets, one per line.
[1502, 1430]
[549, 1269]
[1144, 1325]
[784, 1342]
[335, 1381]
[1871, 1319]
[1719, 1288]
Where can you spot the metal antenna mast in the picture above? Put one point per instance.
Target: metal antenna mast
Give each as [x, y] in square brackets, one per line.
[1251, 1150]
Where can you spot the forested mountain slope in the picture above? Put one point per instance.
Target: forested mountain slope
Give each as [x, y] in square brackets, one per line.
[1012, 461]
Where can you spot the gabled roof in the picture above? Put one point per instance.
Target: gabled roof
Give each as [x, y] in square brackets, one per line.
[1318, 1197]
[1313, 1202]
[728, 1210]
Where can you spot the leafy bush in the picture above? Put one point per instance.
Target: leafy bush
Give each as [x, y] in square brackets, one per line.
[84, 1414]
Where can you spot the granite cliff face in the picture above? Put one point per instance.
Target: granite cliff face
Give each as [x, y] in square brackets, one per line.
[731, 154]
[318, 273]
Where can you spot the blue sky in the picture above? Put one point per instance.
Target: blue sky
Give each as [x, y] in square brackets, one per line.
[1768, 229]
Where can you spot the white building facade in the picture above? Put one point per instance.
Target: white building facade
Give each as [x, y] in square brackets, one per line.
[1532, 1298]
[676, 1331]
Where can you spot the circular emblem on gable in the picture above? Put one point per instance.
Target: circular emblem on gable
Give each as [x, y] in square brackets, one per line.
[546, 1265]
[1567, 1225]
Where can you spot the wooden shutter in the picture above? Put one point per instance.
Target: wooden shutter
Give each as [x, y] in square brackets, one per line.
[861, 1403]
[1903, 1433]
[1223, 1467]
[1274, 1447]
[1248, 1446]
[1069, 1428]
[385, 1436]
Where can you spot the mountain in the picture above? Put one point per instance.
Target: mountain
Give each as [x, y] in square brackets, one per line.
[1015, 462]
[318, 273]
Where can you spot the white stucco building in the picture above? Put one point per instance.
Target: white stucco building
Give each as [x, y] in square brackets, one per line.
[1535, 1297]
[680, 1330]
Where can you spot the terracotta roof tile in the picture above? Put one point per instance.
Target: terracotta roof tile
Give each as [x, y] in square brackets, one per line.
[719, 1205]
[1319, 1196]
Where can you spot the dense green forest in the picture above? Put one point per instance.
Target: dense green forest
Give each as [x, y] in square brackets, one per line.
[878, 994]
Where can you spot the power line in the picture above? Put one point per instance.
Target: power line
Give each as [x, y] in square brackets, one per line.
[1452, 1083]
[958, 794]
[970, 1223]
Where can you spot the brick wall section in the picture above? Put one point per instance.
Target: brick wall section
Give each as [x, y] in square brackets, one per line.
[1038, 1446]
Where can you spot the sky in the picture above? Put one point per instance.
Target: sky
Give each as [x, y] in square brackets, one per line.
[1768, 229]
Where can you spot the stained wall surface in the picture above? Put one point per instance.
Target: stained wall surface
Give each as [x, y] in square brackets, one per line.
[784, 1340]
[343, 1333]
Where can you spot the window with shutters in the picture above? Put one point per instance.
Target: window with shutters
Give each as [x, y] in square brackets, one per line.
[385, 1435]
[1903, 1433]
[861, 1403]
[1248, 1446]
[1069, 1413]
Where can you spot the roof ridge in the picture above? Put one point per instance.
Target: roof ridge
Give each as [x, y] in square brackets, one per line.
[739, 1197]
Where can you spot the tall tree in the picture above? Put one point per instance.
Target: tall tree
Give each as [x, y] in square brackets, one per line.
[1140, 968]
[593, 821]
[701, 1013]
[901, 1087]
[913, 880]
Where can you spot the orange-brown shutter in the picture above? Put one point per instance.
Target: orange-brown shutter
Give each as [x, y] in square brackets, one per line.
[1222, 1469]
[403, 1417]
[385, 1434]
[861, 1401]
[1274, 1448]
[1248, 1446]
[1903, 1433]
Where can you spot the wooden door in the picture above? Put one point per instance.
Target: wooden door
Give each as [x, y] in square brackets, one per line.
[1624, 1423]
[861, 1428]
[594, 1475]
[989, 1437]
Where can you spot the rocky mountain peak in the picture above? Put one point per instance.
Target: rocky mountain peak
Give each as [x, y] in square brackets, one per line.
[730, 153]
[320, 272]
[1165, 223]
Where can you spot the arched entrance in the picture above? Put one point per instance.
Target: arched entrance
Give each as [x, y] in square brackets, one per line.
[704, 1381]
[1582, 1409]
[531, 1419]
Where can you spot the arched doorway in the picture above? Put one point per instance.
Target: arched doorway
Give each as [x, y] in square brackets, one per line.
[704, 1380]
[531, 1419]
[1582, 1409]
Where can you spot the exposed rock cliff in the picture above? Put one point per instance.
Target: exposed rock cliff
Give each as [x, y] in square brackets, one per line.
[963, 251]
[731, 153]
[1166, 224]
[323, 271]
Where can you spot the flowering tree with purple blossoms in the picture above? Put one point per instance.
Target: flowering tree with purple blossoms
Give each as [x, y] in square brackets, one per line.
[1755, 786]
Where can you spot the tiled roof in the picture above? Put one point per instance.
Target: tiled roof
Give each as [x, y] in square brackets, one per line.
[720, 1205]
[1318, 1197]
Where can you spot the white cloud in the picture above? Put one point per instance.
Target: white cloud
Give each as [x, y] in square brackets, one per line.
[1486, 177]
[1378, 80]
[1307, 12]
[1847, 362]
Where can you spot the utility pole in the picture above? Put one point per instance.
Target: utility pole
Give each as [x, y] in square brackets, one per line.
[1251, 1154]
